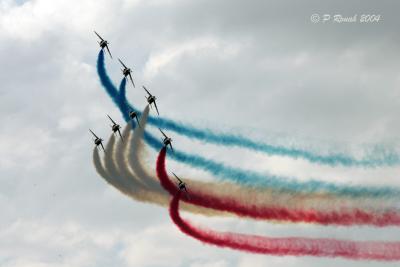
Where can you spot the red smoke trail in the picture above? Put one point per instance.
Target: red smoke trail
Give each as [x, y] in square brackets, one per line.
[384, 251]
[345, 217]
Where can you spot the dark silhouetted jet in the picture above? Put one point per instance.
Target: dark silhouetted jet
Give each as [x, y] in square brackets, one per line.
[151, 99]
[126, 72]
[167, 140]
[97, 141]
[134, 115]
[115, 128]
[181, 185]
[103, 43]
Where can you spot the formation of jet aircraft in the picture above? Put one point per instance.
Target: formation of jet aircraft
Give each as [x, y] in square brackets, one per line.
[151, 100]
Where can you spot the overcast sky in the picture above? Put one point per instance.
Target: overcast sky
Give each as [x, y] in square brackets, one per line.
[258, 67]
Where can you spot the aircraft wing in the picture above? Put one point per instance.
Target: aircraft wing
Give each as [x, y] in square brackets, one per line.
[120, 61]
[111, 119]
[109, 51]
[93, 133]
[177, 177]
[103, 147]
[163, 133]
[130, 76]
[146, 90]
[155, 104]
[98, 35]
[120, 135]
[171, 147]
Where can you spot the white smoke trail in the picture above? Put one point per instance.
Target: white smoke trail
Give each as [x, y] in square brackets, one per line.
[121, 167]
[121, 158]
[104, 173]
[133, 156]
[116, 172]
[118, 177]
[112, 170]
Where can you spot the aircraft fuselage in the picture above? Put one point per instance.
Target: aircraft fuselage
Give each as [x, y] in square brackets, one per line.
[132, 114]
[182, 186]
[115, 127]
[97, 141]
[126, 71]
[167, 141]
[103, 44]
[151, 99]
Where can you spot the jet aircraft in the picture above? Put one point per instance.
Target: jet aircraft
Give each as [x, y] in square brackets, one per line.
[103, 43]
[151, 99]
[167, 140]
[126, 71]
[181, 185]
[133, 114]
[115, 127]
[97, 141]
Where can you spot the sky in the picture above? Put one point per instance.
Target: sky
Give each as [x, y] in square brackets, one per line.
[260, 68]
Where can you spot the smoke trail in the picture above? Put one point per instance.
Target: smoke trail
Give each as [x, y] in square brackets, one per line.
[117, 173]
[100, 169]
[284, 184]
[151, 184]
[120, 168]
[382, 159]
[259, 197]
[121, 158]
[247, 178]
[115, 178]
[111, 168]
[120, 165]
[294, 246]
[104, 174]
[105, 79]
[134, 159]
[123, 102]
[254, 201]
[242, 208]
[370, 250]
[253, 198]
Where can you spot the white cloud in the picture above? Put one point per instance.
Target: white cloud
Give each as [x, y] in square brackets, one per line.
[33, 19]
[28, 148]
[159, 60]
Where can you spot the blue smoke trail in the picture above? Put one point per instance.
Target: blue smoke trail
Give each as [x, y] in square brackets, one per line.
[104, 79]
[248, 178]
[117, 95]
[388, 159]
[122, 101]
[253, 179]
